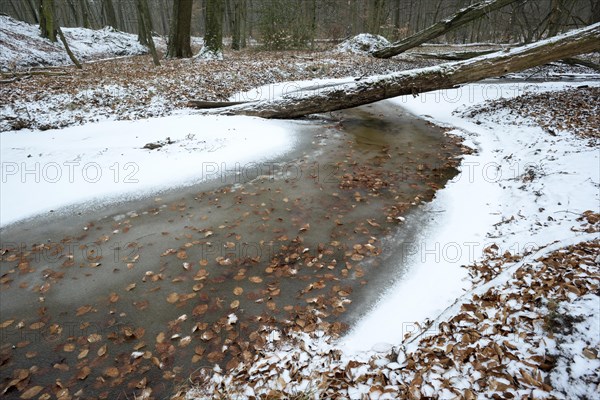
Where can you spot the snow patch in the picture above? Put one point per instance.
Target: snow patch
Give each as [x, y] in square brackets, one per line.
[103, 162]
[364, 43]
[207, 54]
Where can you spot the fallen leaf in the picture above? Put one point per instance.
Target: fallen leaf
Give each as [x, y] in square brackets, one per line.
[83, 373]
[102, 351]
[6, 323]
[200, 309]
[69, 347]
[111, 372]
[173, 298]
[83, 310]
[31, 392]
[36, 325]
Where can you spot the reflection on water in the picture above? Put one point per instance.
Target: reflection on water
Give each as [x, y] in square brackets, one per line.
[146, 299]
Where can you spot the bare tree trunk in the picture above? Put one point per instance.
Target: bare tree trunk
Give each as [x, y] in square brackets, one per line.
[146, 27]
[108, 12]
[375, 16]
[595, 11]
[47, 26]
[313, 23]
[213, 37]
[237, 18]
[396, 19]
[33, 11]
[85, 13]
[68, 49]
[422, 80]
[462, 17]
[179, 35]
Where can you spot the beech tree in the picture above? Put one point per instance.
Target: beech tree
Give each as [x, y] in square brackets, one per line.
[237, 14]
[179, 35]
[47, 24]
[145, 29]
[213, 36]
[108, 13]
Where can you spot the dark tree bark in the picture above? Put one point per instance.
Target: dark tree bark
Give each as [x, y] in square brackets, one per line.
[595, 11]
[142, 30]
[145, 28]
[47, 25]
[179, 36]
[238, 22]
[213, 37]
[313, 23]
[144, 20]
[33, 11]
[68, 49]
[462, 17]
[375, 10]
[108, 12]
[422, 80]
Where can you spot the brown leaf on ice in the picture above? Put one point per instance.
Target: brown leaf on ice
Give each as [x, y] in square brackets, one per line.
[83, 310]
[200, 309]
[101, 351]
[6, 323]
[111, 372]
[173, 298]
[31, 392]
[83, 373]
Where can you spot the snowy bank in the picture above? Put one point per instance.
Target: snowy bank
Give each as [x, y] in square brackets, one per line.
[102, 162]
[22, 46]
[521, 190]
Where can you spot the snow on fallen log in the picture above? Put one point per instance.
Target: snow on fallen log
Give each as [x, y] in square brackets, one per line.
[444, 76]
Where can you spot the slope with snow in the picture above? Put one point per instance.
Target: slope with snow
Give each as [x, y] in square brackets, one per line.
[22, 46]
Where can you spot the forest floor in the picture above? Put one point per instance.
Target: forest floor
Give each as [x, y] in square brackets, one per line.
[527, 323]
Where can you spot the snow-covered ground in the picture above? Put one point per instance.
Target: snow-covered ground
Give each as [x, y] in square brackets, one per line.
[21, 45]
[100, 162]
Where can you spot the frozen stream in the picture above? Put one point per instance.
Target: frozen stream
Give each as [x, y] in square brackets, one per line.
[144, 293]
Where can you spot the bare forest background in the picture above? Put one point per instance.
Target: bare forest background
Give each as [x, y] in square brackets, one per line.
[294, 24]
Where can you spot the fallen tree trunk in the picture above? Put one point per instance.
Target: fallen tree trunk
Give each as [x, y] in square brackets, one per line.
[422, 80]
[582, 62]
[455, 55]
[457, 20]
[213, 104]
[465, 55]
